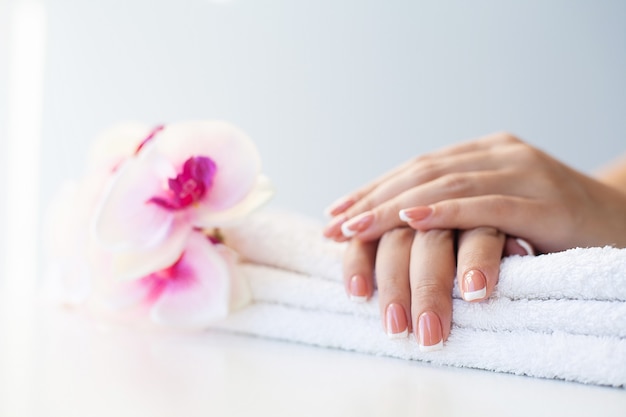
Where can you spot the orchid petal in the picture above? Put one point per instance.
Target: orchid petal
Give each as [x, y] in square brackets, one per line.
[203, 295]
[67, 278]
[235, 155]
[240, 292]
[125, 219]
[122, 301]
[258, 196]
[115, 144]
[125, 296]
[130, 265]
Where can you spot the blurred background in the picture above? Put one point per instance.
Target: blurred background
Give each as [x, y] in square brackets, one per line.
[333, 92]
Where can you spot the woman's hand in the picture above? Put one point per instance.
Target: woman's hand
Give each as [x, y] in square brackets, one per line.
[415, 270]
[497, 181]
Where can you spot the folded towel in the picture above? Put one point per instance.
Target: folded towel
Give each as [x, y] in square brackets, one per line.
[560, 316]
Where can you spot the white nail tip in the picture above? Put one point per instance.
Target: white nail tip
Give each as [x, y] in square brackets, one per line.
[358, 298]
[346, 231]
[475, 295]
[401, 335]
[403, 216]
[527, 246]
[432, 348]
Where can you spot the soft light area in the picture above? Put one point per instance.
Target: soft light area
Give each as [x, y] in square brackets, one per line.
[23, 147]
[21, 194]
[336, 92]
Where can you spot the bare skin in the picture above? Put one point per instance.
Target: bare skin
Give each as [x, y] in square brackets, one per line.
[496, 181]
[477, 194]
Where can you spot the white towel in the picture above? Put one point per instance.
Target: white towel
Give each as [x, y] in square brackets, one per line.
[559, 316]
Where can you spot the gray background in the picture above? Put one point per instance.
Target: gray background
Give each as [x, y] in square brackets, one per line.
[334, 92]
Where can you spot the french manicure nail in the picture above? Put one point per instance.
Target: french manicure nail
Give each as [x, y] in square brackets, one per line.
[357, 224]
[526, 246]
[474, 285]
[415, 213]
[339, 206]
[429, 336]
[397, 324]
[358, 289]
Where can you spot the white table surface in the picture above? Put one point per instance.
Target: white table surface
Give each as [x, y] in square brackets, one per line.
[56, 362]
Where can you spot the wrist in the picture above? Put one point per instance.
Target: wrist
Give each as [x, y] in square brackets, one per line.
[609, 217]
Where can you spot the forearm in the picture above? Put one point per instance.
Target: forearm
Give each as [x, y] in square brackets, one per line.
[614, 174]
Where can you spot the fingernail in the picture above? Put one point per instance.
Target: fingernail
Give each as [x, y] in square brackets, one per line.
[339, 206]
[334, 227]
[526, 246]
[357, 224]
[358, 289]
[474, 285]
[429, 332]
[415, 213]
[397, 324]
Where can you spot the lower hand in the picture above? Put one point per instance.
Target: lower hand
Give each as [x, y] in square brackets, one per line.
[415, 270]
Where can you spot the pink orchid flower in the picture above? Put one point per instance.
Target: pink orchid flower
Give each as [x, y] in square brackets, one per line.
[69, 247]
[148, 248]
[187, 176]
[201, 286]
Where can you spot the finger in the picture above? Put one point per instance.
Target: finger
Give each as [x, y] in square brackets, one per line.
[342, 204]
[518, 246]
[490, 141]
[392, 276]
[533, 220]
[432, 274]
[371, 224]
[478, 262]
[358, 269]
[421, 172]
[484, 143]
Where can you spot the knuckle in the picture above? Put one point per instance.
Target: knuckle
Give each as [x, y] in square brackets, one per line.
[457, 183]
[482, 231]
[431, 294]
[366, 203]
[433, 236]
[508, 138]
[526, 153]
[424, 169]
[396, 236]
[500, 138]
[421, 159]
[393, 285]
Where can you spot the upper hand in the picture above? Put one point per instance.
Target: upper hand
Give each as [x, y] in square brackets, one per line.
[496, 181]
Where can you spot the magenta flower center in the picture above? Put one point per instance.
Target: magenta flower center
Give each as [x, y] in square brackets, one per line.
[190, 186]
[175, 277]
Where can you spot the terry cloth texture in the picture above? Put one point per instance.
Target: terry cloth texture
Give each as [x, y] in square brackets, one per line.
[560, 315]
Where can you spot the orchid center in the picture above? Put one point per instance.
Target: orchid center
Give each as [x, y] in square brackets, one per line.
[167, 273]
[175, 275]
[189, 186]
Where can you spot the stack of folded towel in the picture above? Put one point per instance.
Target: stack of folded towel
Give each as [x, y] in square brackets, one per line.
[560, 315]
